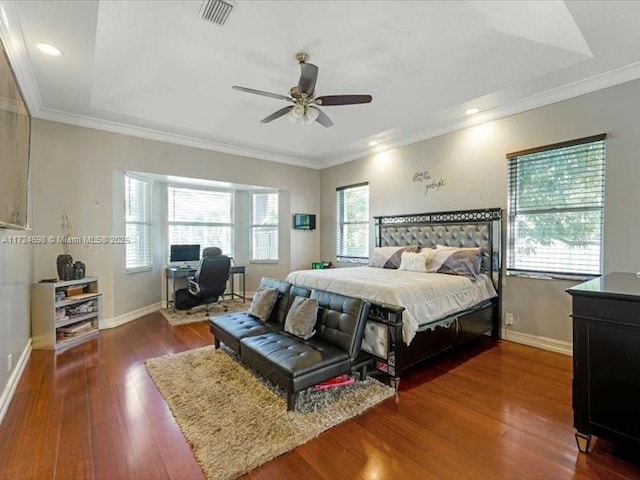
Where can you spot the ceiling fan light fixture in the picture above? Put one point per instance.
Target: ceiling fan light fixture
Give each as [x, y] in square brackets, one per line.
[312, 114]
[298, 111]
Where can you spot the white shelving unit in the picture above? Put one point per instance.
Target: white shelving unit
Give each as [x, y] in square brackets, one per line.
[55, 325]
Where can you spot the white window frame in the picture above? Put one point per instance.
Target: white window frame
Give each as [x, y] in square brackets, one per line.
[341, 224]
[523, 247]
[171, 223]
[146, 223]
[276, 226]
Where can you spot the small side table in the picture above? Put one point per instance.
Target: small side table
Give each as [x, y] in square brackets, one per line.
[237, 270]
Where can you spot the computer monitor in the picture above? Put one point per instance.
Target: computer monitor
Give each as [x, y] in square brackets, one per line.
[184, 253]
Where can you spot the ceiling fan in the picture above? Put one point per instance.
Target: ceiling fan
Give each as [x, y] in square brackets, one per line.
[302, 96]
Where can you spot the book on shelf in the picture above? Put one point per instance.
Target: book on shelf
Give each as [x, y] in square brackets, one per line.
[86, 307]
[76, 328]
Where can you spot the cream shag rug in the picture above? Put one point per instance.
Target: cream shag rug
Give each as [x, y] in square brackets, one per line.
[235, 421]
[199, 313]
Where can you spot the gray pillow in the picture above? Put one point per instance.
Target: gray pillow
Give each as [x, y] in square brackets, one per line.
[263, 303]
[390, 257]
[301, 318]
[456, 261]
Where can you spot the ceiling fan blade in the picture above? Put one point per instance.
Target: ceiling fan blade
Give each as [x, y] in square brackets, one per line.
[278, 114]
[263, 93]
[329, 100]
[308, 77]
[323, 119]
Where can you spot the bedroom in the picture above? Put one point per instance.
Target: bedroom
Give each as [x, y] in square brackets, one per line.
[472, 160]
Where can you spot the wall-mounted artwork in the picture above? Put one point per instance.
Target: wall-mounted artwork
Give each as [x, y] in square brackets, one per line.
[15, 132]
[430, 184]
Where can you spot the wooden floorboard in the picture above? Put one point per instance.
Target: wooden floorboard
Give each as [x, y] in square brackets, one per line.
[496, 410]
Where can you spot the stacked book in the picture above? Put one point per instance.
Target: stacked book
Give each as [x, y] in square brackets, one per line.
[75, 329]
[61, 314]
[85, 307]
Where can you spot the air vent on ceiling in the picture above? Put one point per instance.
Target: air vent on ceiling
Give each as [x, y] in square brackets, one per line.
[216, 11]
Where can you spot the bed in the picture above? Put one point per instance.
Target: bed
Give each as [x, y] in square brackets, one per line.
[415, 316]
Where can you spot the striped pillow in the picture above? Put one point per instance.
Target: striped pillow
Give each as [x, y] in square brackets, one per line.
[456, 261]
[390, 257]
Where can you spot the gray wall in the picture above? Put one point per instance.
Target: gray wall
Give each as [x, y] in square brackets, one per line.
[82, 169]
[15, 284]
[473, 163]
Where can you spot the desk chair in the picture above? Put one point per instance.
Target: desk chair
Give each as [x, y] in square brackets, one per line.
[209, 282]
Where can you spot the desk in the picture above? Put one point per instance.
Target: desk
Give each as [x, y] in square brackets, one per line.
[186, 272]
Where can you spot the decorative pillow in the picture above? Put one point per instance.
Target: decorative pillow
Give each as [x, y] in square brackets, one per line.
[263, 303]
[301, 318]
[456, 261]
[389, 257]
[415, 262]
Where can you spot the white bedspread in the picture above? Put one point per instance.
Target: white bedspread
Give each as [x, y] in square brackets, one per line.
[426, 297]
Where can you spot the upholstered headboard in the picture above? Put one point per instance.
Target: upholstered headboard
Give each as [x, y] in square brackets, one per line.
[465, 228]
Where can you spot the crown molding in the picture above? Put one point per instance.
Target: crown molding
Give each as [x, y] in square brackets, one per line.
[565, 92]
[16, 48]
[15, 45]
[167, 137]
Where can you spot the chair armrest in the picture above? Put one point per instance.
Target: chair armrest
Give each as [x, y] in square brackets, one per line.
[194, 288]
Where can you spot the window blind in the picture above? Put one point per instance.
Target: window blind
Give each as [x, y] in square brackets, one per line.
[556, 209]
[200, 216]
[353, 222]
[138, 253]
[264, 226]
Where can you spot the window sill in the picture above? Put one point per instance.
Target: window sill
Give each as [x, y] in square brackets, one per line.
[266, 262]
[552, 276]
[138, 269]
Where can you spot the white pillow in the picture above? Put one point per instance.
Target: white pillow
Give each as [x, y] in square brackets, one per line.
[414, 262]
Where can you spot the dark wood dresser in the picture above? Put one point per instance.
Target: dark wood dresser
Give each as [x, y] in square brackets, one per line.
[606, 359]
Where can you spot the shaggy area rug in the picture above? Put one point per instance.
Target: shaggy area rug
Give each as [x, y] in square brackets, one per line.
[199, 313]
[235, 420]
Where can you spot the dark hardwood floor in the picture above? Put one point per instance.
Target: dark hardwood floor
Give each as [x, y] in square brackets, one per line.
[494, 411]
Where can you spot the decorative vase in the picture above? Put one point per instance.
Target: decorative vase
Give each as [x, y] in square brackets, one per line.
[61, 261]
[79, 270]
[67, 271]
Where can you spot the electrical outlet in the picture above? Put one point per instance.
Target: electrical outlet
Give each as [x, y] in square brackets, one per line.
[508, 318]
[9, 362]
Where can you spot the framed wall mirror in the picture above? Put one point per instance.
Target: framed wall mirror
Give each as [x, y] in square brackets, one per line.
[15, 133]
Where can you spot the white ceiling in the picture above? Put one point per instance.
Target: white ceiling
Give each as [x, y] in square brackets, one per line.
[155, 69]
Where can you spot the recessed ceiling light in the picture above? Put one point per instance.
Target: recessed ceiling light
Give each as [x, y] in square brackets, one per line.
[472, 111]
[373, 143]
[49, 49]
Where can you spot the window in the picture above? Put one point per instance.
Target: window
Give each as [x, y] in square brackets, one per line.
[264, 226]
[200, 216]
[353, 222]
[137, 200]
[556, 209]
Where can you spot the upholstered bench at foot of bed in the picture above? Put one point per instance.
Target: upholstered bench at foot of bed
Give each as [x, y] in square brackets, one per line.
[233, 327]
[230, 329]
[292, 363]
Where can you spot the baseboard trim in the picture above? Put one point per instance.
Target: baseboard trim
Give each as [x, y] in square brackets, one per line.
[128, 317]
[14, 379]
[551, 344]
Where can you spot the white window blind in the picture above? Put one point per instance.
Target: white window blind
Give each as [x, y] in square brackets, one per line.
[264, 226]
[353, 222]
[200, 216]
[556, 209]
[137, 194]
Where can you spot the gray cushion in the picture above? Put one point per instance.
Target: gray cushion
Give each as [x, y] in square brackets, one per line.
[263, 302]
[302, 317]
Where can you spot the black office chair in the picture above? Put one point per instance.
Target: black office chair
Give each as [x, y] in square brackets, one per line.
[209, 282]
